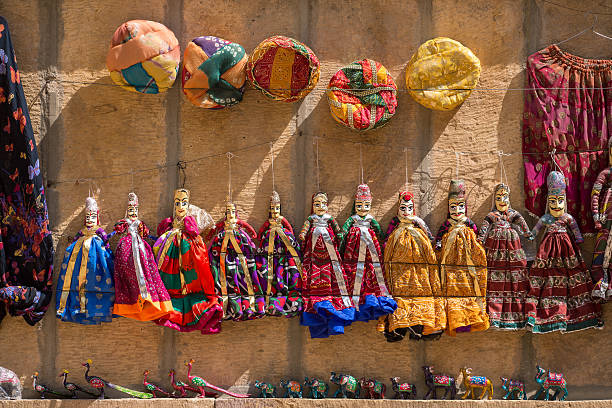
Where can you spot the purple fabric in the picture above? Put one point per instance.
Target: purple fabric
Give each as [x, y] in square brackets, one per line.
[210, 44]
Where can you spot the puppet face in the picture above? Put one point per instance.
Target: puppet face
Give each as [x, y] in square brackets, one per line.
[502, 200]
[230, 213]
[456, 208]
[91, 219]
[362, 207]
[132, 212]
[319, 205]
[275, 210]
[181, 204]
[405, 209]
[556, 205]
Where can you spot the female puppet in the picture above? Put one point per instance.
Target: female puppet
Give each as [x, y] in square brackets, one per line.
[601, 207]
[232, 254]
[362, 261]
[85, 290]
[412, 273]
[139, 291]
[279, 255]
[559, 297]
[507, 265]
[463, 267]
[183, 265]
[328, 306]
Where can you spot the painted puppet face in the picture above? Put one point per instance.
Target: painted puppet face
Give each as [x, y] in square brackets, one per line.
[275, 210]
[405, 209]
[456, 208]
[362, 207]
[319, 205]
[502, 200]
[230, 213]
[132, 212]
[181, 204]
[556, 205]
[91, 219]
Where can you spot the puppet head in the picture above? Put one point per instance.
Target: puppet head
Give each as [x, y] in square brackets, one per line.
[132, 207]
[230, 213]
[91, 212]
[275, 205]
[181, 202]
[556, 193]
[363, 200]
[405, 208]
[319, 203]
[456, 200]
[502, 197]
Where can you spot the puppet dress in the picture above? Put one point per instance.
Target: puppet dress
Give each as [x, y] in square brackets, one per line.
[362, 264]
[601, 267]
[327, 305]
[463, 276]
[507, 268]
[279, 254]
[411, 269]
[139, 291]
[560, 288]
[85, 288]
[184, 269]
[237, 278]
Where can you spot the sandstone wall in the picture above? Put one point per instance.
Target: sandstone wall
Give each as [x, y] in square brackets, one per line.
[87, 128]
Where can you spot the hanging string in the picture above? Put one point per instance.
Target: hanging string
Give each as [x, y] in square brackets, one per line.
[230, 156]
[457, 165]
[316, 142]
[406, 164]
[132, 181]
[272, 165]
[503, 176]
[182, 165]
[554, 160]
[361, 163]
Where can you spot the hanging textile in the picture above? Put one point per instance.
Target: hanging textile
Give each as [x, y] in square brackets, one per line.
[26, 247]
[571, 116]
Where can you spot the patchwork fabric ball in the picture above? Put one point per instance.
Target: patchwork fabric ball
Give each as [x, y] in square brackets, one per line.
[283, 68]
[144, 57]
[214, 73]
[442, 74]
[362, 95]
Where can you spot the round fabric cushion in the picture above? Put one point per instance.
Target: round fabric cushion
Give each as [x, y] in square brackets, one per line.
[144, 57]
[362, 95]
[214, 74]
[283, 69]
[446, 69]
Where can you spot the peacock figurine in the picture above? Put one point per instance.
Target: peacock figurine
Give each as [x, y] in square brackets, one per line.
[98, 382]
[200, 383]
[182, 387]
[154, 389]
[43, 389]
[72, 387]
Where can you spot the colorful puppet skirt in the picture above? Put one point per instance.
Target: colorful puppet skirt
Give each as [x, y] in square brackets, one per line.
[214, 72]
[91, 303]
[284, 295]
[244, 282]
[600, 276]
[463, 274]
[362, 95]
[507, 277]
[21, 301]
[442, 73]
[560, 294]
[412, 275]
[326, 310]
[186, 275]
[144, 57]
[139, 297]
[372, 301]
[283, 69]
[573, 115]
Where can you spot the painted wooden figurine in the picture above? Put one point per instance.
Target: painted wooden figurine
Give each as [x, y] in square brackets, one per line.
[372, 389]
[201, 384]
[515, 389]
[318, 389]
[463, 267]
[328, 308]
[153, 388]
[99, 383]
[238, 280]
[403, 390]
[72, 387]
[472, 382]
[266, 390]
[279, 255]
[293, 389]
[348, 386]
[362, 260]
[559, 297]
[85, 288]
[550, 381]
[435, 381]
[41, 388]
[601, 208]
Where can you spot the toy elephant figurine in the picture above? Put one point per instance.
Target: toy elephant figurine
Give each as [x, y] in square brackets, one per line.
[266, 390]
[348, 386]
[373, 389]
[293, 389]
[515, 389]
[318, 389]
[403, 390]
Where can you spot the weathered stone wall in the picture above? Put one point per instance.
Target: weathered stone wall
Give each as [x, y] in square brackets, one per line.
[86, 128]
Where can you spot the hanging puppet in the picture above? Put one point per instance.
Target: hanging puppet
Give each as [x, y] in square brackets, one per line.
[85, 290]
[362, 260]
[139, 291]
[507, 265]
[412, 273]
[601, 207]
[463, 267]
[237, 278]
[559, 297]
[279, 255]
[183, 265]
[328, 307]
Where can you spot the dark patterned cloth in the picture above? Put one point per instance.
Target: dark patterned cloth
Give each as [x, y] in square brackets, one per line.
[27, 247]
